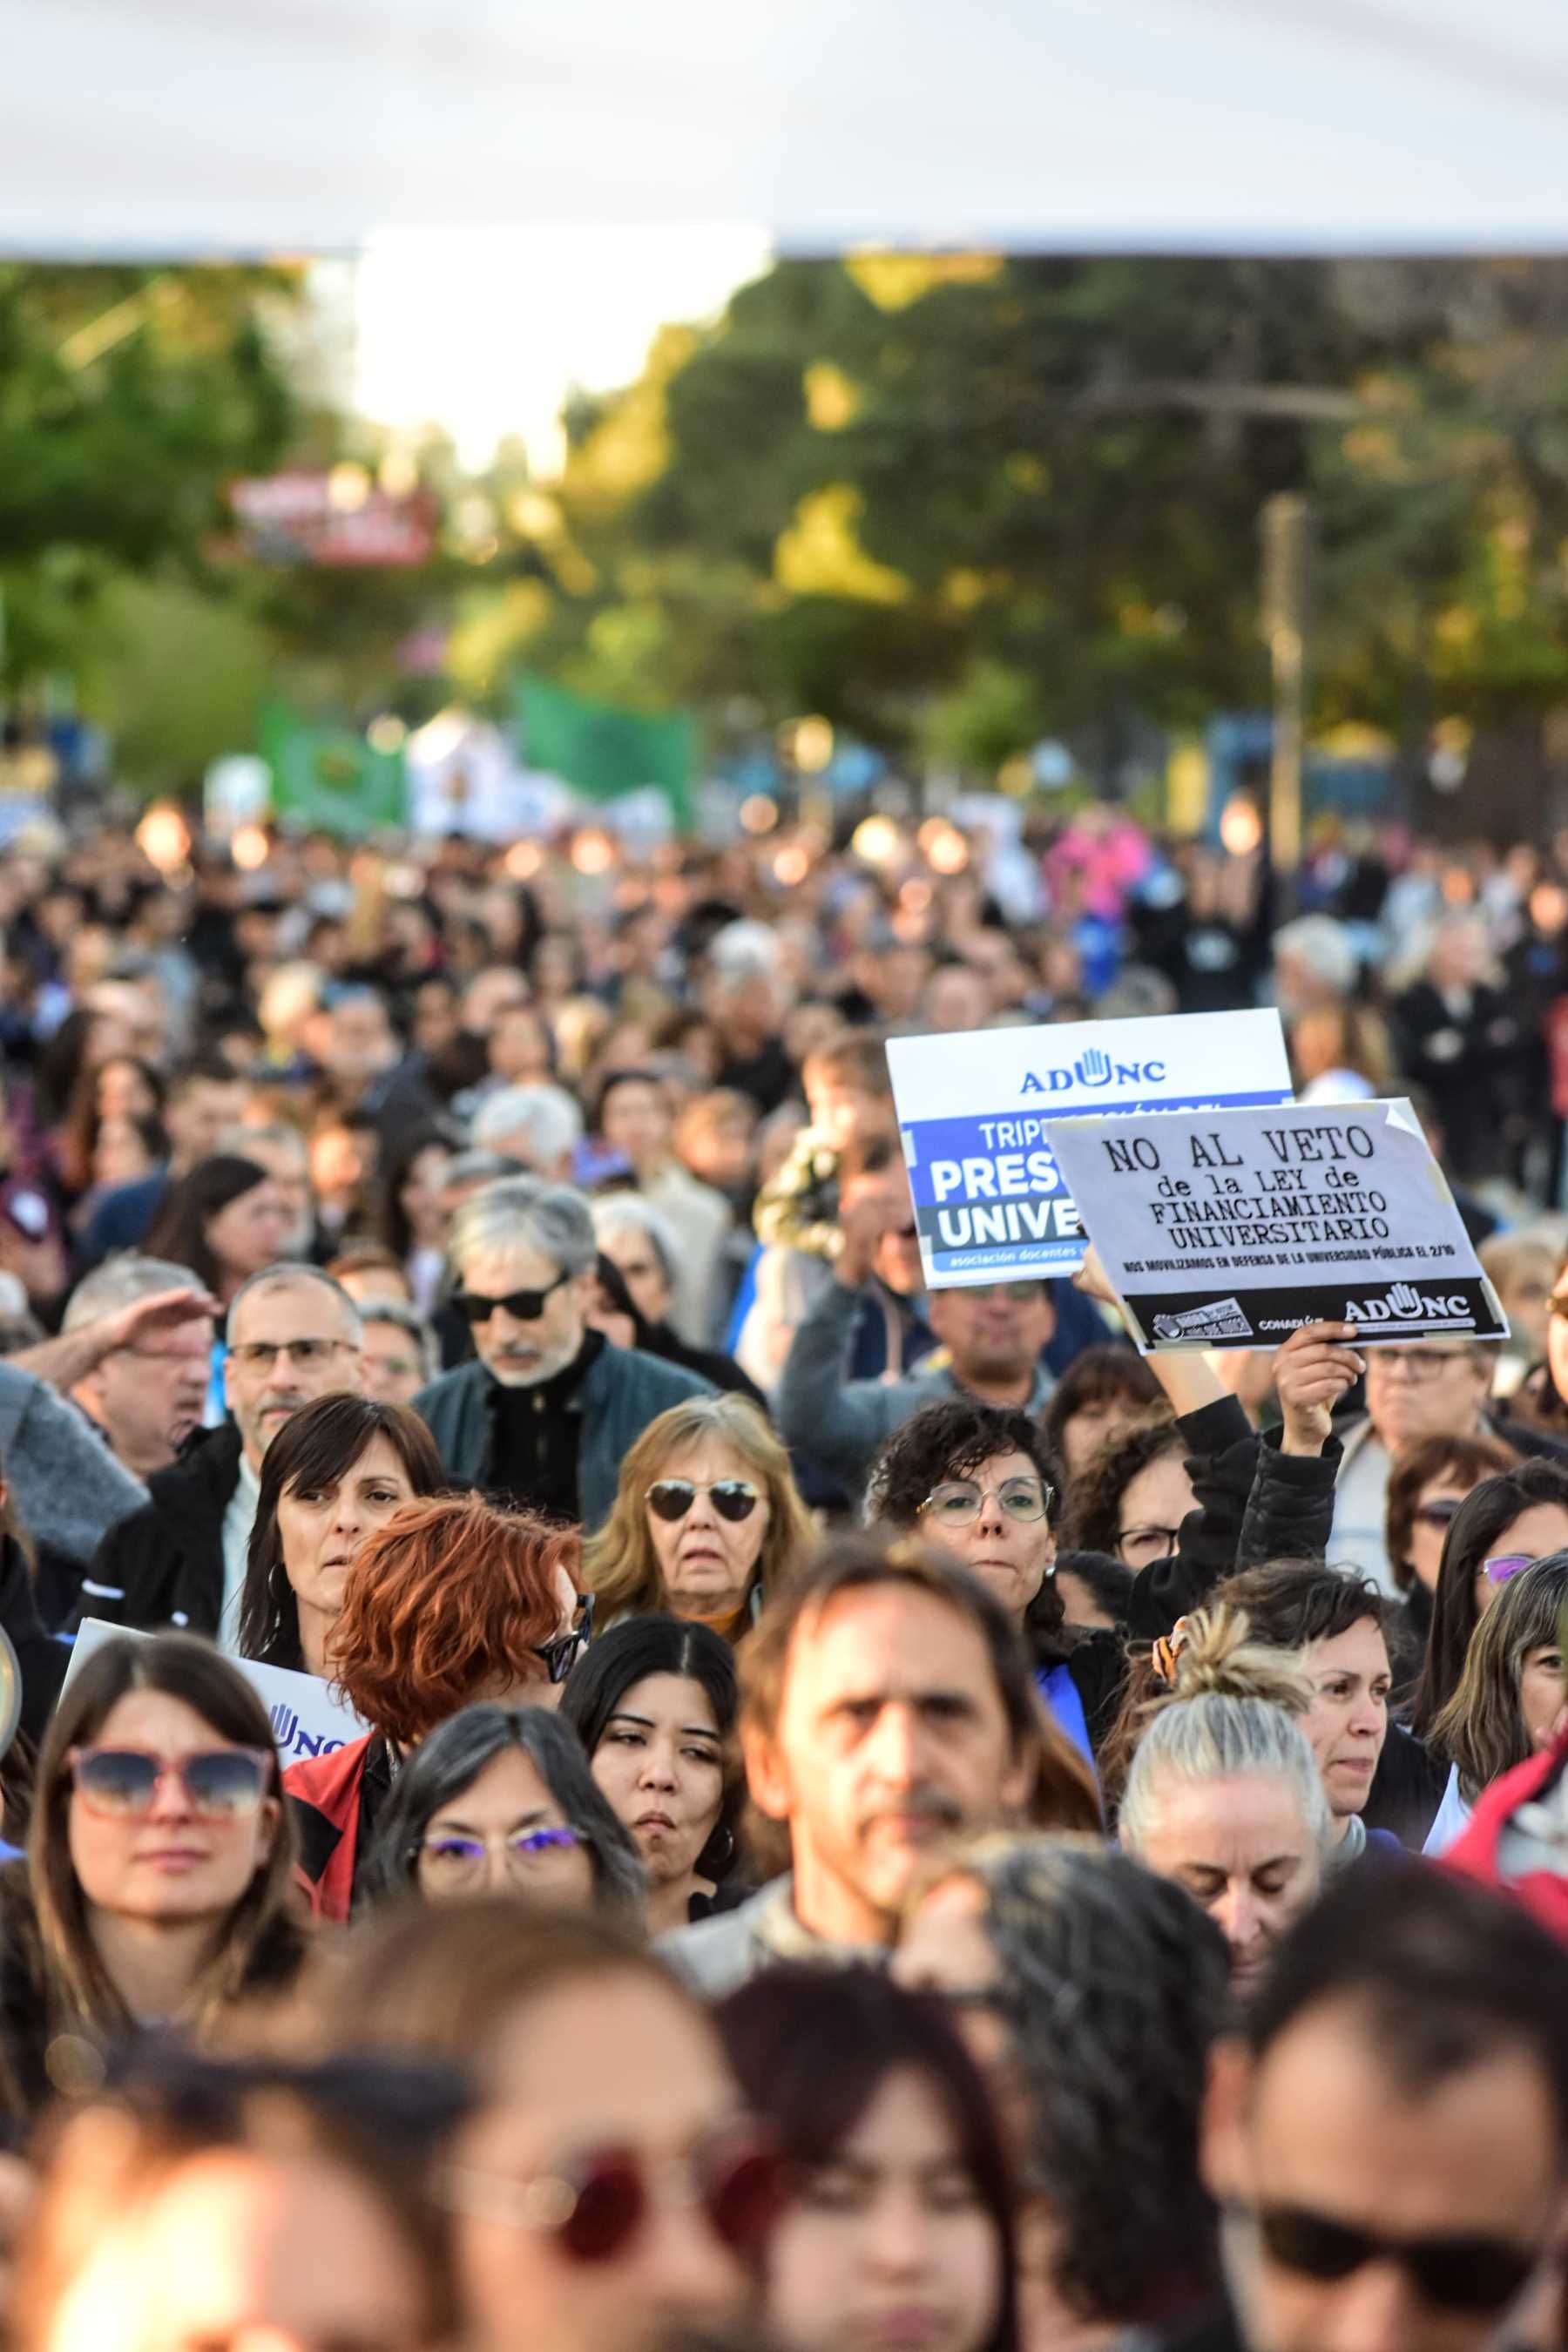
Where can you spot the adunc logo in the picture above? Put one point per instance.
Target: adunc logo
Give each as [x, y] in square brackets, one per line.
[1095, 1069]
[1403, 1303]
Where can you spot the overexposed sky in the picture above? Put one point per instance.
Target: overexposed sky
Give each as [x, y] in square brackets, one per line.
[485, 331]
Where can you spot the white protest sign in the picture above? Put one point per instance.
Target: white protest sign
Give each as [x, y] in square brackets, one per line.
[1233, 1228]
[308, 1717]
[990, 1204]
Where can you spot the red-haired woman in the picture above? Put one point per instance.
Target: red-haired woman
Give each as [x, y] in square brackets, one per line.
[453, 1601]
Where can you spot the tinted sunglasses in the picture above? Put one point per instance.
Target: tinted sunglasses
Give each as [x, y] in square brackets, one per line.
[404, 2101]
[1439, 1514]
[522, 1306]
[596, 2202]
[220, 1784]
[1506, 1564]
[732, 1498]
[1477, 2274]
[562, 1651]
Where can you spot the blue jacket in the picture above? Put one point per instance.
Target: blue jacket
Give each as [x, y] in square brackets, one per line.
[621, 1392]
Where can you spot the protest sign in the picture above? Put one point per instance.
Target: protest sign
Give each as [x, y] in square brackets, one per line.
[308, 1719]
[1231, 1229]
[990, 1204]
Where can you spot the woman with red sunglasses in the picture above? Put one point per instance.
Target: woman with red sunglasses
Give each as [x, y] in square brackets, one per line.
[157, 1886]
[610, 2193]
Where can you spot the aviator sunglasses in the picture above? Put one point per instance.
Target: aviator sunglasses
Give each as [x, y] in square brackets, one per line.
[732, 1498]
[220, 1784]
[594, 2202]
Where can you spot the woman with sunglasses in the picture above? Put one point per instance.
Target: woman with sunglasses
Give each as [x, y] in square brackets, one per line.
[706, 1521]
[334, 1473]
[1427, 1484]
[1510, 1705]
[160, 1861]
[1504, 1524]
[897, 2229]
[501, 1798]
[654, 1703]
[452, 1602]
[610, 2192]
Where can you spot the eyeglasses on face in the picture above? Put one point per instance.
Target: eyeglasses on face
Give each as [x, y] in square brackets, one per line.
[1439, 1512]
[454, 1860]
[1453, 2273]
[595, 2202]
[1140, 1547]
[732, 1498]
[562, 1651]
[958, 1502]
[260, 1355]
[1506, 1564]
[1417, 1364]
[220, 1784]
[522, 1306]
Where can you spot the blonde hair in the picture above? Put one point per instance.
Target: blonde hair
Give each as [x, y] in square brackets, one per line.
[620, 1567]
[1230, 1712]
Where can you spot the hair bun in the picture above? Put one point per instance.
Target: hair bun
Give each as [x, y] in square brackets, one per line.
[1219, 1658]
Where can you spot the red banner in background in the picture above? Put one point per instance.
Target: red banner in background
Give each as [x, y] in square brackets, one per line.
[336, 517]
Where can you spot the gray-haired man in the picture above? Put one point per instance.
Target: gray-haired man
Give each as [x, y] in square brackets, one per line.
[549, 1410]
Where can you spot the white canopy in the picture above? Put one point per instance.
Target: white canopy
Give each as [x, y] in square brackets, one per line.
[196, 127]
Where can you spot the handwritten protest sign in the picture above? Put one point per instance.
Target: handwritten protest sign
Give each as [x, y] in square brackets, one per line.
[989, 1203]
[308, 1717]
[1231, 1229]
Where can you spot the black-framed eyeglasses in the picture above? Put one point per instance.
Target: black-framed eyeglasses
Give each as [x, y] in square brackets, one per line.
[1478, 2274]
[1439, 1513]
[522, 1306]
[562, 1651]
[1140, 1547]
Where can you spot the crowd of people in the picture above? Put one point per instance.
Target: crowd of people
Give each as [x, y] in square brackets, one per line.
[593, 1768]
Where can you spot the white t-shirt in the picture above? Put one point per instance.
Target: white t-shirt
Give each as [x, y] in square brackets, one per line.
[237, 1522]
[1452, 1819]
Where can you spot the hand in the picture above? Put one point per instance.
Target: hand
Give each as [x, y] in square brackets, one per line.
[1311, 1372]
[164, 1310]
[1093, 1281]
[863, 1220]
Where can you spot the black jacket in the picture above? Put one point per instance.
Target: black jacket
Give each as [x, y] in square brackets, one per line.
[163, 1565]
[43, 1660]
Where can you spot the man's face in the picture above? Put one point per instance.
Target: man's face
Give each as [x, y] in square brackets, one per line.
[521, 1351]
[149, 1398]
[1320, 2130]
[891, 1736]
[488, 995]
[361, 1045]
[201, 1115]
[1430, 1389]
[636, 1122]
[393, 1371]
[288, 1162]
[289, 1343]
[995, 1332]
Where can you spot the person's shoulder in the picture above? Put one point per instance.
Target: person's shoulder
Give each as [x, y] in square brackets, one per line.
[448, 1384]
[716, 1953]
[651, 1375]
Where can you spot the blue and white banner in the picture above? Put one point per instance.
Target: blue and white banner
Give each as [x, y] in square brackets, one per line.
[990, 1202]
[308, 1716]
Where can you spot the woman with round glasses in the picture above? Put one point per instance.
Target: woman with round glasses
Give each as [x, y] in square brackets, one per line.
[452, 1602]
[609, 2193]
[1510, 1703]
[500, 1799]
[706, 1521]
[334, 1473]
[653, 1702]
[160, 1864]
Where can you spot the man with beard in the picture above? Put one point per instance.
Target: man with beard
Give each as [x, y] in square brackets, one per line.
[886, 1704]
[549, 1409]
[294, 1335]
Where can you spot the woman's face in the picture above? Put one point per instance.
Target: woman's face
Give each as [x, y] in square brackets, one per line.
[420, 1197]
[489, 1840]
[660, 1762]
[121, 1155]
[124, 1092]
[1154, 1506]
[1348, 1721]
[707, 1560]
[170, 1863]
[888, 2243]
[615, 2063]
[1009, 1554]
[1095, 1424]
[320, 1527]
[251, 1232]
[1435, 1504]
[1534, 1535]
[1540, 1694]
[1243, 1849]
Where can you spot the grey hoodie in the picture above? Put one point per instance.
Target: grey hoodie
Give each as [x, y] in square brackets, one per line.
[69, 1488]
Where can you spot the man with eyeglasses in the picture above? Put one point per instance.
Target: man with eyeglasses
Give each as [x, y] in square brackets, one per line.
[1387, 2136]
[293, 1335]
[548, 1410]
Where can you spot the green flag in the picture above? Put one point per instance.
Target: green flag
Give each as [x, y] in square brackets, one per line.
[603, 751]
[330, 776]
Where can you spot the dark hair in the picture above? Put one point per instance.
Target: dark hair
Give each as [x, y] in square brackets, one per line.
[1466, 1460]
[639, 1077]
[1482, 1730]
[950, 1441]
[1440, 1973]
[78, 1130]
[389, 1219]
[1093, 1376]
[1114, 1985]
[1289, 1602]
[1109, 1580]
[639, 1646]
[211, 1069]
[1093, 1521]
[812, 2048]
[317, 1446]
[1477, 1525]
[179, 1231]
[444, 1767]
